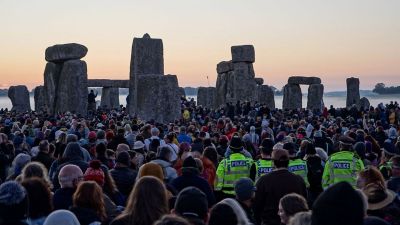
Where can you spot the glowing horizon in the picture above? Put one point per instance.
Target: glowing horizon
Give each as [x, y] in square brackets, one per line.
[333, 40]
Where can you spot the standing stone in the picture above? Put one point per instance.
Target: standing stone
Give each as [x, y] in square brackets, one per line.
[220, 96]
[156, 98]
[109, 98]
[224, 66]
[243, 53]
[64, 52]
[146, 58]
[292, 97]
[51, 80]
[315, 97]
[244, 84]
[353, 92]
[364, 103]
[181, 92]
[19, 96]
[206, 97]
[40, 99]
[266, 96]
[72, 91]
[259, 81]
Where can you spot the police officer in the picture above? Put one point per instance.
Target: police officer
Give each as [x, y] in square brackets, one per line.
[233, 168]
[264, 165]
[343, 165]
[296, 165]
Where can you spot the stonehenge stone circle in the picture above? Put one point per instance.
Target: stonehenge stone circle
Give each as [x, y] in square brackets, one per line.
[353, 92]
[40, 99]
[64, 52]
[292, 97]
[157, 98]
[304, 80]
[224, 66]
[243, 53]
[266, 96]
[364, 103]
[109, 98]
[19, 96]
[315, 96]
[259, 81]
[206, 96]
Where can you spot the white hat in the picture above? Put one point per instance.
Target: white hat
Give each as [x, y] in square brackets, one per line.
[138, 145]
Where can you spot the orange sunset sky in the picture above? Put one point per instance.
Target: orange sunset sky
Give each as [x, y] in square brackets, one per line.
[331, 39]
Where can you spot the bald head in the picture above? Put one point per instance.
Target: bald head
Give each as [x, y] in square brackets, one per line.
[69, 176]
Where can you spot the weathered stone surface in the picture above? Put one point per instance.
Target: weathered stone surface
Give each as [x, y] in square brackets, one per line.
[266, 96]
[364, 103]
[353, 92]
[51, 81]
[109, 98]
[182, 92]
[243, 86]
[206, 96]
[243, 53]
[304, 80]
[64, 52]
[72, 89]
[220, 86]
[292, 97]
[146, 58]
[224, 66]
[19, 96]
[40, 99]
[156, 98]
[259, 80]
[108, 83]
[315, 97]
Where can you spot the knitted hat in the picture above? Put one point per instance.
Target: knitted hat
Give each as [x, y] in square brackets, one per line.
[123, 158]
[151, 169]
[236, 143]
[13, 201]
[244, 189]
[94, 172]
[92, 135]
[339, 204]
[61, 217]
[191, 202]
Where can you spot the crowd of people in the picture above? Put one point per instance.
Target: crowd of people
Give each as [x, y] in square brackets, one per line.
[240, 164]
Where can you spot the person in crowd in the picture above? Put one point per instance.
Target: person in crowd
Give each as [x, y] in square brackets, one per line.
[147, 203]
[40, 200]
[314, 172]
[394, 182]
[14, 204]
[18, 164]
[192, 204]
[228, 212]
[169, 141]
[343, 165]
[190, 177]
[183, 137]
[123, 175]
[69, 178]
[155, 133]
[234, 167]
[35, 169]
[291, 204]
[297, 165]
[61, 217]
[43, 155]
[245, 192]
[264, 164]
[88, 205]
[164, 160]
[271, 187]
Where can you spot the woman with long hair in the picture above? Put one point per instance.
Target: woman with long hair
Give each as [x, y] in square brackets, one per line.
[147, 203]
[291, 204]
[88, 203]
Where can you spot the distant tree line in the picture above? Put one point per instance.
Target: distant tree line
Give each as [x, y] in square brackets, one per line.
[381, 89]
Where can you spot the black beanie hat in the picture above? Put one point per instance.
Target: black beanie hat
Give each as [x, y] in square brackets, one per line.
[191, 203]
[236, 143]
[339, 204]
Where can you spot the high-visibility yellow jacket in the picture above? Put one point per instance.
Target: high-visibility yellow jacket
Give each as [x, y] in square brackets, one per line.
[342, 166]
[299, 167]
[263, 166]
[230, 170]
